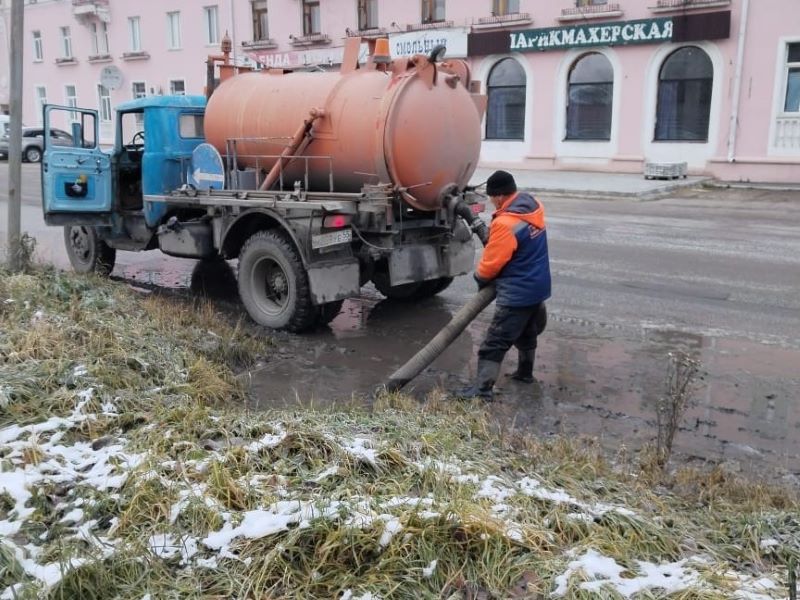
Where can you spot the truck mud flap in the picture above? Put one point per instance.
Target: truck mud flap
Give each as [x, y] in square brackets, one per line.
[409, 264]
[334, 281]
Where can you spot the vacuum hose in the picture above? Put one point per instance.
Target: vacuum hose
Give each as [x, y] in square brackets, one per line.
[459, 321]
[442, 340]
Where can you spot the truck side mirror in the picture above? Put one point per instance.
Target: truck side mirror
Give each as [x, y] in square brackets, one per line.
[77, 135]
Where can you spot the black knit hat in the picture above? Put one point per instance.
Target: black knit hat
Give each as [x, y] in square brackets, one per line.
[500, 183]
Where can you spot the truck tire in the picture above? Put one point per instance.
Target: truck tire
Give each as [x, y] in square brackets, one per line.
[410, 292]
[87, 252]
[435, 286]
[33, 154]
[273, 283]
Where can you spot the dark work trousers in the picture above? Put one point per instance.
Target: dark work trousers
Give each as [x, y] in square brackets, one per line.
[511, 326]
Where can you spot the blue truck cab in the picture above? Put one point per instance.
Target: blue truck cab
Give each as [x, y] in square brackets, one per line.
[85, 185]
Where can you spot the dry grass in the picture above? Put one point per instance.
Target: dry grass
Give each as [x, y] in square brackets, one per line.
[168, 370]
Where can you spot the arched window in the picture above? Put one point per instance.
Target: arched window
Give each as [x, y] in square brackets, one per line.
[684, 96]
[589, 97]
[505, 115]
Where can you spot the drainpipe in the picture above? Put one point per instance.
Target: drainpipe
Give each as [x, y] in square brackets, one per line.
[233, 28]
[737, 83]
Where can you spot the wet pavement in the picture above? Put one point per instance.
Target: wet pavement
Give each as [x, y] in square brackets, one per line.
[713, 273]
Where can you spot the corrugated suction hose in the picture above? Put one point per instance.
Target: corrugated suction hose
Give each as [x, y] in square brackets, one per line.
[443, 339]
[460, 320]
[457, 324]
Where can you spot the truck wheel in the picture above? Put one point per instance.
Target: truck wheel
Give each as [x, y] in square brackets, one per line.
[273, 284]
[87, 252]
[33, 154]
[405, 291]
[434, 286]
[409, 292]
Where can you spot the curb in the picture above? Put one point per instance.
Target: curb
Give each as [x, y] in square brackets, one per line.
[655, 194]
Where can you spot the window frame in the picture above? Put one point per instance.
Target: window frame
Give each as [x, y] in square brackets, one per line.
[311, 7]
[367, 14]
[260, 15]
[135, 34]
[134, 94]
[38, 45]
[788, 67]
[659, 81]
[41, 100]
[71, 100]
[211, 21]
[501, 8]
[100, 44]
[606, 84]
[429, 11]
[104, 104]
[172, 87]
[519, 87]
[174, 35]
[66, 41]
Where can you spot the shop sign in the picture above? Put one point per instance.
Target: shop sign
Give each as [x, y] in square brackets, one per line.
[303, 58]
[643, 31]
[423, 42]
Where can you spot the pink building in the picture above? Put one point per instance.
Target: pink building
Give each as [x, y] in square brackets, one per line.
[594, 86]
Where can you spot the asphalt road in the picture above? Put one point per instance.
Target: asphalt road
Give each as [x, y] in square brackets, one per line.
[711, 272]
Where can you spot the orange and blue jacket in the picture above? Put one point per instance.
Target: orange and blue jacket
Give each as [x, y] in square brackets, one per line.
[516, 255]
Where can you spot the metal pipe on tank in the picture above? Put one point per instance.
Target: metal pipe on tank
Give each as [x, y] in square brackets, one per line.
[298, 138]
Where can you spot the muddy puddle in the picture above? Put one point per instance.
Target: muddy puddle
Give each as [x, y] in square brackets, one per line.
[592, 380]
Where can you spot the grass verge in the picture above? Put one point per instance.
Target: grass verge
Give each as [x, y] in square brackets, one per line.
[128, 467]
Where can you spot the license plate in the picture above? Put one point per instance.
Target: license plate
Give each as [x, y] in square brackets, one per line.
[323, 240]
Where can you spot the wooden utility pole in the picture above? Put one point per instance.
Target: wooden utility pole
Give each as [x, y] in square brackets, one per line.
[14, 253]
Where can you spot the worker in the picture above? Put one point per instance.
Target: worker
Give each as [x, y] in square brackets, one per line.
[516, 259]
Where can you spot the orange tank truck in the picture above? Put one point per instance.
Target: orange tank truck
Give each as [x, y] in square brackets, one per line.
[316, 183]
[412, 123]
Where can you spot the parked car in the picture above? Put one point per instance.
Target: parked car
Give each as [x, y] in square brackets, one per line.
[33, 142]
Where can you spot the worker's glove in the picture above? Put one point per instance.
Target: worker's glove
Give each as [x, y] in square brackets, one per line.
[482, 283]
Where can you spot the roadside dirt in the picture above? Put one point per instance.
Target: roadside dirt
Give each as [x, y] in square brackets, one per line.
[593, 380]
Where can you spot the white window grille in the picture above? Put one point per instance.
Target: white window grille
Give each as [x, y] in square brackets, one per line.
[135, 34]
[71, 100]
[99, 39]
[38, 52]
[66, 42]
[177, 87]
[260, 20]
[174, 30]
[104, 103]
[41, 100]
[211, 18]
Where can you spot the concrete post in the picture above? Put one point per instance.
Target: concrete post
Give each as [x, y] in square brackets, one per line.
[15, 136]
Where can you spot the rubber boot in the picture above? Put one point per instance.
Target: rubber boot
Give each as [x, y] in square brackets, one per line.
[524, 372]
[484, 382]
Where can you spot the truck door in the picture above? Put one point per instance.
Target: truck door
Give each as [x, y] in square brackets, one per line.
[76, 173]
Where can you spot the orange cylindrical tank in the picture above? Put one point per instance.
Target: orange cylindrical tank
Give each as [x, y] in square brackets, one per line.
[421, 133]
